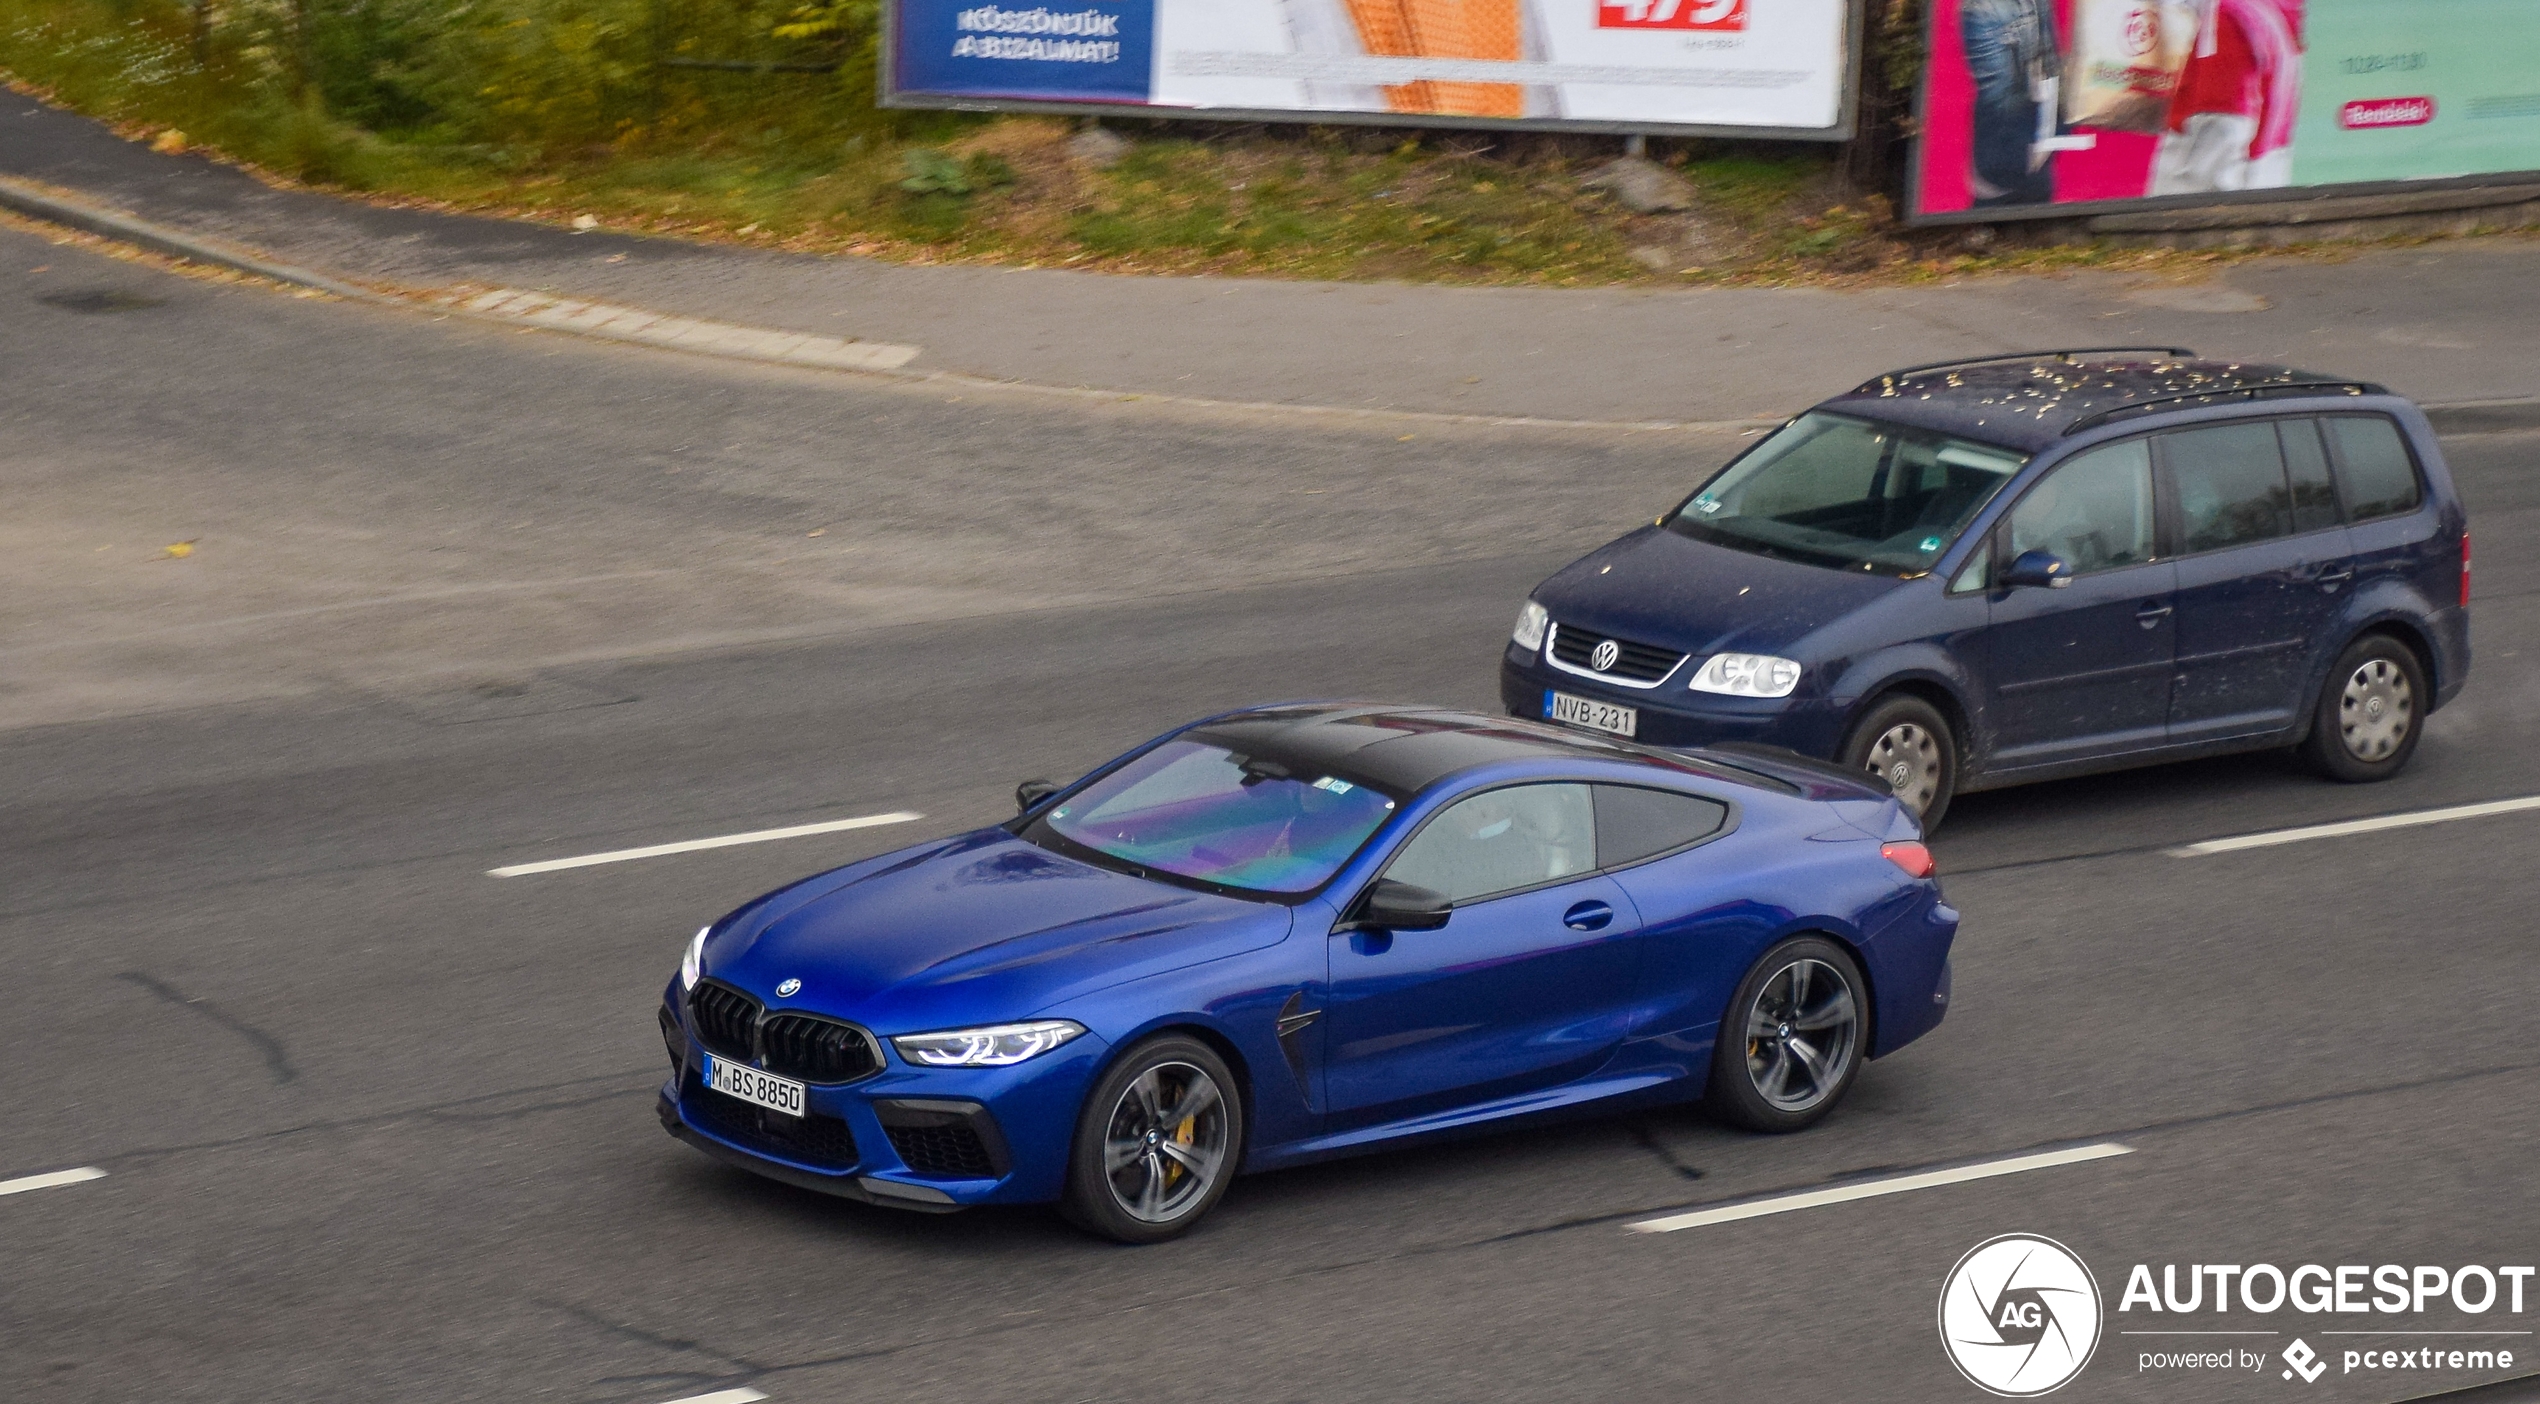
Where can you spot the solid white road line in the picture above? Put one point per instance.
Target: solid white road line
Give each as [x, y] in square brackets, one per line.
[2357, 826]
[628, 855]
[1872, 1189]
[743, 1395]
[58, 1177]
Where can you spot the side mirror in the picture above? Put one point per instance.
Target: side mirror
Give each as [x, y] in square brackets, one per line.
[1400, 906]
[2039, 568]
[1029, 794]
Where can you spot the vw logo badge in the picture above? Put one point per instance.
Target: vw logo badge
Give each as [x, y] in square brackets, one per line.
[786, 990]
[1605, 655]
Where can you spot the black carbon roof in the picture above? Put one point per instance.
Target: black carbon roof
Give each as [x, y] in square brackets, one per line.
[2029, 402]
[1404, 750]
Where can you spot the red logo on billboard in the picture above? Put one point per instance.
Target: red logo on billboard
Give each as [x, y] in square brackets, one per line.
[2386, 112]
[2142, 31]
[1671, 14]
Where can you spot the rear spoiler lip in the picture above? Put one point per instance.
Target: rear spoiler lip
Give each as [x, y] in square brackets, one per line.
[1820, 779]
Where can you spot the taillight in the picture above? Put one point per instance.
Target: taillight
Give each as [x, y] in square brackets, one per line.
[2464, 567]
[1912, 857]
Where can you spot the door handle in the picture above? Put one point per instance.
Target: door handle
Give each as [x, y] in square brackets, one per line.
[1588, 916]
[2150, 613]
[2330, 578]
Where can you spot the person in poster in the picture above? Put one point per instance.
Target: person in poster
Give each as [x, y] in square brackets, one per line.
[2016, 66]
[2231, 115]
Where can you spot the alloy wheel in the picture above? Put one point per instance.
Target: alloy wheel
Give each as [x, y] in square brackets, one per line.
[1165, 1144]
[2375, 710]
[1802, 1034]
[1907, 756]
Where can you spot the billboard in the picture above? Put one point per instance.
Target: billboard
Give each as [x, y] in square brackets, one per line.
[2036, 107]
[1704, 67]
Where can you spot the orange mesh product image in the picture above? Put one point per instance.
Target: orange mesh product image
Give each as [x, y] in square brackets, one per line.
[1473, 29]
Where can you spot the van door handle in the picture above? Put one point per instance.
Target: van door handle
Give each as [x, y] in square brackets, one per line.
[2150, 613]
[2334, 576]
[1588, 916]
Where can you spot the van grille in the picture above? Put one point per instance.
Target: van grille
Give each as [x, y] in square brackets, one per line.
[1633, 662]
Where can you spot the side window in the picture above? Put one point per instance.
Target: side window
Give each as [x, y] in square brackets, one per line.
[1501, 840]
[2373, 466]
[1974, 575]
[2095, 511]
[1633, 823]
[2306, 466]
[2231, 488]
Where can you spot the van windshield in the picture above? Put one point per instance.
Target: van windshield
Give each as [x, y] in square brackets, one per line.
[1833, 490]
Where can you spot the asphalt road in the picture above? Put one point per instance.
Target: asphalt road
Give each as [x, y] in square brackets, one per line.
[377, 1125]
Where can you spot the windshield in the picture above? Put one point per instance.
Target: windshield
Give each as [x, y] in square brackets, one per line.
[1200, 811]
[1840, 491]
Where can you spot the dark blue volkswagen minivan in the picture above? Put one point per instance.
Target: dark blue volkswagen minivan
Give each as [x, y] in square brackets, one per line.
[1982, 573]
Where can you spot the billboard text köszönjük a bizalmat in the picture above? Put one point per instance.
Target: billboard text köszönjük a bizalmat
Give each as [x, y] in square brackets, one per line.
[2033, 106]
[1779, 67]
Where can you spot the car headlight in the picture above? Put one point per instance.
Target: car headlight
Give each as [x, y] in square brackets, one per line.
[1747, 675]
[997, 1046]
[692, 962]
[1530, 625]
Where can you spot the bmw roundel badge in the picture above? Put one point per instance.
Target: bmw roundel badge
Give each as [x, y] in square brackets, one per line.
[786, 990]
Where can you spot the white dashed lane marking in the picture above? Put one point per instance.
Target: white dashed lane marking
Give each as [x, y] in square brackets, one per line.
[59, 1177]
[1872, 1189]
[628, 855]
[743, 1395]
[2341, 829]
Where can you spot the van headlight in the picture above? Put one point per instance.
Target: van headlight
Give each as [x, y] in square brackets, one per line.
[996, 1046]
[1531, 621]
[1747, 675]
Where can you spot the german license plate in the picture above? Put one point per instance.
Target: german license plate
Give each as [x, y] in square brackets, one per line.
[750, 1085]
[1590, 713]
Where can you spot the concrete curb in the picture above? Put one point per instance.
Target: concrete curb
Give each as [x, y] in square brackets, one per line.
[725, 340]
[732, 341]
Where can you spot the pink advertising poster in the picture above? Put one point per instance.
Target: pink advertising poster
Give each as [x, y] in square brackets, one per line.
[2033, 104]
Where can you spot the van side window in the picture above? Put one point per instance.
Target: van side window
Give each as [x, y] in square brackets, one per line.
[2306, 466]
[2095, 511]
[2374, 470]
[2231, 487]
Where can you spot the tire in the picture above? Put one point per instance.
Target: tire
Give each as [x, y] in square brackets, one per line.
[1907, 742]
[1766, 1049]
[1124, 1180]
[2371, 711]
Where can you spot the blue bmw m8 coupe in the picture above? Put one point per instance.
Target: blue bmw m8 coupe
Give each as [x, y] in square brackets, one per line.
[1303, 931]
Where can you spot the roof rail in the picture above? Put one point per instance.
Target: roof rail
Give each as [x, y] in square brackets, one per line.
[2246, 392]
[2064, 355]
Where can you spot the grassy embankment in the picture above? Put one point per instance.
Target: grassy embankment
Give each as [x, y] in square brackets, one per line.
[559, 109]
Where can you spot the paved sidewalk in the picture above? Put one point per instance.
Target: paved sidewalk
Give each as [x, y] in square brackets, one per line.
[2449, 322]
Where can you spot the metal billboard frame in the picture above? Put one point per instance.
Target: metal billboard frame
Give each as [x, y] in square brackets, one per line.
[1846, 127]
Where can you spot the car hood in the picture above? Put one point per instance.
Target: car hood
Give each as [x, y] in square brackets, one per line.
[978, 929]
[1657, 587]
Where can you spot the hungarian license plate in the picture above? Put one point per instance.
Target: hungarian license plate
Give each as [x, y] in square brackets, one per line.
[750, 1085]
[1590, 713]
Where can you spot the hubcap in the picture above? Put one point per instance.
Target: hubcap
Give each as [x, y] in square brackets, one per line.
[1802, 1034]
[1908, 758]
[2375, 710]
[1166, 1142]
